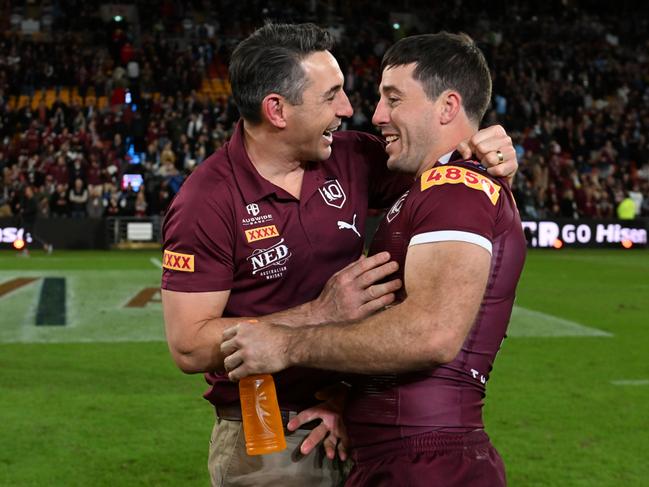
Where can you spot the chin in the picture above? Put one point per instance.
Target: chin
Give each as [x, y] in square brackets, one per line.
[324, 153]
[393, 164]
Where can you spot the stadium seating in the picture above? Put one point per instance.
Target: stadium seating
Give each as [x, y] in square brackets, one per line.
[581, 138]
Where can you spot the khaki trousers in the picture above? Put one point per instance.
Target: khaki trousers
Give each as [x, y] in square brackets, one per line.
[231, 466]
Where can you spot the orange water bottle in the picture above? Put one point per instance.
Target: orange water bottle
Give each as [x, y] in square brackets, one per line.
[262, 421]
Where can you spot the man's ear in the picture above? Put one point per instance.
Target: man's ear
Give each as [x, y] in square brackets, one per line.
[450, 106]
[273, 108]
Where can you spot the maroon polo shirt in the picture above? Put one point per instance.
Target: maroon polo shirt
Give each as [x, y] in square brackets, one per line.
[229, 228]
[457, 201]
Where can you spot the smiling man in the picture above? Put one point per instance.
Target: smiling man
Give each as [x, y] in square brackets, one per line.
[261, 226]
[414, 415]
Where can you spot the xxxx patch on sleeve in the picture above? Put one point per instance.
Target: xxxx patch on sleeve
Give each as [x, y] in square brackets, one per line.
[178, 262]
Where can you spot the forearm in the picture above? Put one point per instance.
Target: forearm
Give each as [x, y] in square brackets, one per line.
[201, 351]
[305, 314]
[395, 340]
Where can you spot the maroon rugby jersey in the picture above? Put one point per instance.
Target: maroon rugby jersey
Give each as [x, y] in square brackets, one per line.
[229, 228]
[457, 201]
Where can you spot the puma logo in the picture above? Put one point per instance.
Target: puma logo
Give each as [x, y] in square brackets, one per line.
[350, 226]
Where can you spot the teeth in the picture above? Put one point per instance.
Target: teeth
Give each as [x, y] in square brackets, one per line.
[391, 138]
[327, 133]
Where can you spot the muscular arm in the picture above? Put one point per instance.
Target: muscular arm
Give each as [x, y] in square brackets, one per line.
[445, 282]
[194, 324]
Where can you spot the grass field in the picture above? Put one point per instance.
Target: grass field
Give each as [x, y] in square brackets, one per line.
[99, 402]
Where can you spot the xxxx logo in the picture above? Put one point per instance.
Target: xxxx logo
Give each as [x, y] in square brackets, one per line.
[261, 233]
[178, 262]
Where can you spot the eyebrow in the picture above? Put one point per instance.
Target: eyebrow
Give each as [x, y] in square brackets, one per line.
[389, 89]
[331, 91]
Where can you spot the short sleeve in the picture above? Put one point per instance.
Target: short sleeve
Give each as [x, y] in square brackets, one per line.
[455, 204]
[198, 245]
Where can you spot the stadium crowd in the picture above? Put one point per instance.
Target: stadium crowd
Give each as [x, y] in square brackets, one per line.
[103, 100]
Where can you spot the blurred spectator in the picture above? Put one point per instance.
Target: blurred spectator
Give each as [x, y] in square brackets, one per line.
[78, 199]
[95, 205]
[626, 210]
[59, 202]
[140, 205]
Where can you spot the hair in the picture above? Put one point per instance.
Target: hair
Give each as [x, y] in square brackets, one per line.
[269, 61]
[446, 61]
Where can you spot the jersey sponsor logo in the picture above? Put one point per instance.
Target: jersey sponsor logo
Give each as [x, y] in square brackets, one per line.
[261, 233]
[270, 262]
[252, 209]
[178, 262]
[342, 225]
[396, 208]
[438, 176]
[257, 220]
[333, 194]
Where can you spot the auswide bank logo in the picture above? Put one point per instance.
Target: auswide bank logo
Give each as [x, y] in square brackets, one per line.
[252, 209]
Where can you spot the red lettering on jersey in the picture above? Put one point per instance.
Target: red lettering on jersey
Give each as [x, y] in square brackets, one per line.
[261, 233]
[440, 175]
[178, 262]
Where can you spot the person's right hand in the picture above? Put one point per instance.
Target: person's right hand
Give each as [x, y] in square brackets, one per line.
[353, 293]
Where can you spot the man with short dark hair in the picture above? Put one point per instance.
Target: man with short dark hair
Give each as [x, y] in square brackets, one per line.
[262, 225]
[414, 416]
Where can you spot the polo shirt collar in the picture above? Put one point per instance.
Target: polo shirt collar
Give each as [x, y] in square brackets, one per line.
[253, 186]
[446, 157]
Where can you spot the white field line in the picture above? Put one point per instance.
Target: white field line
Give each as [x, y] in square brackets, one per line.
[156, 262]
[529, 323]
[631, 382]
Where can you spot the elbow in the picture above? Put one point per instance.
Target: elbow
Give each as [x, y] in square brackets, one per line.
[443, 350]
[186, 363]
[187, 360]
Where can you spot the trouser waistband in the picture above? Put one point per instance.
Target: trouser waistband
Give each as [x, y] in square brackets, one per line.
[232, 412]
[423, 443]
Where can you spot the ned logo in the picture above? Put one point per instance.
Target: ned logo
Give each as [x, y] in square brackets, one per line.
[276, 255]
[252, 209]
[333, 194]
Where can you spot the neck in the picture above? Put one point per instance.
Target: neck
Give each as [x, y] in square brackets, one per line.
[449, 138]
[272, 157]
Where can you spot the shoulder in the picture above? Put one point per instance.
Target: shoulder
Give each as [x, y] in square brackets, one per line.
[206, 191]
[465, 179]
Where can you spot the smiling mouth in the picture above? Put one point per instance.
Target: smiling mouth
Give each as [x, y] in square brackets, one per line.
[389, 139]
[330, 131]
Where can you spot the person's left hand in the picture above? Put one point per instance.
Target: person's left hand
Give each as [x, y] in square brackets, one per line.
[331, 431]
[255, 348]
[485, 145]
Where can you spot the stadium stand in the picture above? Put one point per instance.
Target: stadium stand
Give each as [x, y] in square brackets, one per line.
[89, 97]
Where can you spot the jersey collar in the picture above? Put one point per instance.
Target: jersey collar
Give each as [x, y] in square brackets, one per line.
[253, 187]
